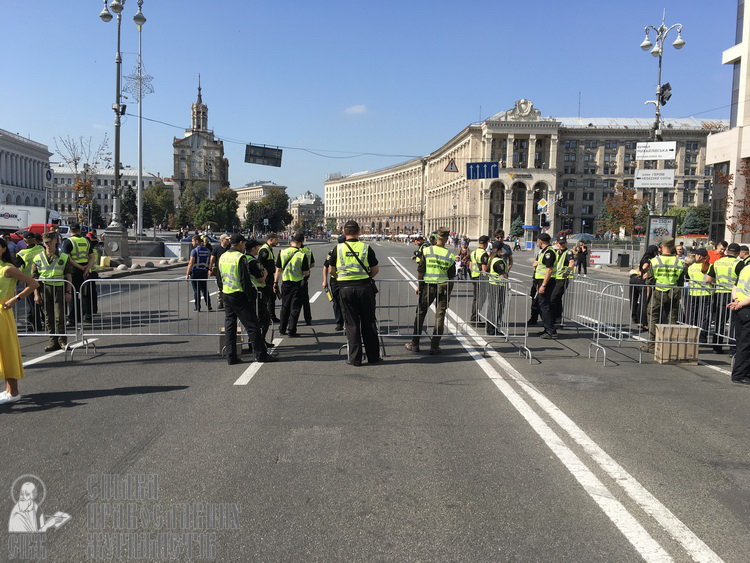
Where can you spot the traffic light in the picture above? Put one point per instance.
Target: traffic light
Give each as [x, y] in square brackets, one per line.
[666, 93]
[543, 220]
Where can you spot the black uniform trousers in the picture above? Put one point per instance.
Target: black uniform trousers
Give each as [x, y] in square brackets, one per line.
[358, 304]
[638, 300]
[697, 312]
[723, 334]
[479, 288]
[240, 306]
[78, 279]
[264, 318]
[305, 292]
[291, 306]
[271, 300]
[544, 304]
[335, 288]
[556, 299]
[89, 293]
[199, 277]
[741, 367]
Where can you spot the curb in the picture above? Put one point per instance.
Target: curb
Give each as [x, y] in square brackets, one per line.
[115, 274]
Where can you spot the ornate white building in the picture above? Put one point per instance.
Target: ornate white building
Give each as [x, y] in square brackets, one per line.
[22, 166]
[307, 208]
[254, 191]
[573, 163]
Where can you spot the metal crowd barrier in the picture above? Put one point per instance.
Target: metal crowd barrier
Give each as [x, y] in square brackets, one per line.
[473, 308]
[628, 313]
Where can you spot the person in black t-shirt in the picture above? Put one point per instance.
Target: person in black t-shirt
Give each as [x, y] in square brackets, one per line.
[213, 265]
[331, 286]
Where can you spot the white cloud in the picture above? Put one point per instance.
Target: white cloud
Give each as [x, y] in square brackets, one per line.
[356, 110]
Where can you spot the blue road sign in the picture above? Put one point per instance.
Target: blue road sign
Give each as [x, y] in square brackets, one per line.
[481, 170]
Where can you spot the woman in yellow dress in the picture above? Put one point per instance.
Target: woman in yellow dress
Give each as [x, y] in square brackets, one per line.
[11, 366]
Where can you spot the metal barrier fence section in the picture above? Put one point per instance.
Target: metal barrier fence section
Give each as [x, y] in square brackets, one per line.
[456, 309]
[672, 322]
[52, 311]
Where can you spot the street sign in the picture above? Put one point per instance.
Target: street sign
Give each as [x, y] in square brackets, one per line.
[652, 178]
[542, 202]
[481, 170]
[666, 150]
[265, 222]
[261, 154]
[48, 178]
[451, 166]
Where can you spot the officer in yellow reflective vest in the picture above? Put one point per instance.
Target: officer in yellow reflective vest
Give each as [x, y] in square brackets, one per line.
[52, 295]
[24, 260]
[740, 306]
[435, 271]
[355, 265]
[563, 272]
[478, 262]
[81, 260]
[724, 273]
[497, 272]
[543, 286]
[420, 244]
[306, 312]
[667, 274]
[331, 285]
[267, 258]
[291, 268]
[258, 276]
[697, 307]
[239, 301]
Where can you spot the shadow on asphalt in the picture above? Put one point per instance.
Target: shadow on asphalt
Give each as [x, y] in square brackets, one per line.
[46, 401]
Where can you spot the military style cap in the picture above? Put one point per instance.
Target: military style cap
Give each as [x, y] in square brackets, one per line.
[75, 227]
[734, 247]
[700, 252]
[49, 237]
[484, 239]
[442, 232]
[668, 241]
[237, 238]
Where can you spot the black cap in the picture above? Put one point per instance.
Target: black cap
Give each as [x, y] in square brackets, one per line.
[497, 245]
[484, 239]
[700, 252]
[562, 240]
[419, 237]
[75, 227]
[351, 225]
[734, 247]
[251, 243]
[744, 247]
[237, 238]
[342, 238]
[29, 235]
[299, 237]
[544, 237]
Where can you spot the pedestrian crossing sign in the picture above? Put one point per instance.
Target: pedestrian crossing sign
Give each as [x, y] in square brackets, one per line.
[451, 166]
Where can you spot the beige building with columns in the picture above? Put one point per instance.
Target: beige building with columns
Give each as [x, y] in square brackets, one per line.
[573, 163]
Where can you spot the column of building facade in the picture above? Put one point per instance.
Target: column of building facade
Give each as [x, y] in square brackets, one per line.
[532, 151]
[3, 169]
[529, 205]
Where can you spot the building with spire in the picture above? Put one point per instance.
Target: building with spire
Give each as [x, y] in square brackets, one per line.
[199, 156]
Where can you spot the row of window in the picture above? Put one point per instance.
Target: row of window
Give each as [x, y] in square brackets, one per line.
[612, 145]
[71, 208]
[106, 182]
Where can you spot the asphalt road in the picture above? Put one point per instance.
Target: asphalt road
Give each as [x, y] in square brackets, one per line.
[457, 457]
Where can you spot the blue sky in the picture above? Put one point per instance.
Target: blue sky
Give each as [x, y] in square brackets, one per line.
[389, 77]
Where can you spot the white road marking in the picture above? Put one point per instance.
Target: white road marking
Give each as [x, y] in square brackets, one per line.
[250, 372]
[716, 368]
[649, 549]
[314, 297]
[53, 354]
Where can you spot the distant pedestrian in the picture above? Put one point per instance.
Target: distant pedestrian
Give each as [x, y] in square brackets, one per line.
[11, 365]
[197, 271]
[582, 258]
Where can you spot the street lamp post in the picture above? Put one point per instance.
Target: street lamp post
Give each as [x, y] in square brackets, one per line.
[657, 50]
[116, 236]
[139, 20]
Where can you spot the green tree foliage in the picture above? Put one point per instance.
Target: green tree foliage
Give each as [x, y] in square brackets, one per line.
[331, 225]
[274, 207]
[96, 215]
[190, 199]
[208, 213]
[160, 203]
[680, 213]
[697, 221]
[129, 206]
[226, 206]
[516, 228]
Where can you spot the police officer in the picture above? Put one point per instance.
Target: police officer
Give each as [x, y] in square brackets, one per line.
[213, 265]
[24, 260]
[267, 258]
[307, 313]
[666, 272]
[258, 276]
[355, 265]
[698, 305]
[478, 262]
[436, 269]
[740, 307]
[497, 270]
[724, 273]
[81, 260]
[291, 268]
[744, 254]
[420, 243]
[197, 271]
[543, 285]
[331, 286]
[239, 300]
[563, 271]
[52, 295]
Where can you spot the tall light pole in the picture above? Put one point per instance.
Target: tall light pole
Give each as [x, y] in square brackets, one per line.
[116, 238]
[657, 50]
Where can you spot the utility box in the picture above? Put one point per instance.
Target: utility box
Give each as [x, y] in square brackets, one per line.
[623, 260]
[676, 344]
